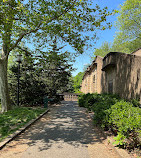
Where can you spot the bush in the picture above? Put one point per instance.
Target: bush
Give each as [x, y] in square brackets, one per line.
[82, 99]
[98, 103]
[104, 102]
[113, 113]
[135, 103]
[127, 119]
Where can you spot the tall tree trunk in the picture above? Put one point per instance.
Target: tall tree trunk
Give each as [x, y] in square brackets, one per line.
[5, 98]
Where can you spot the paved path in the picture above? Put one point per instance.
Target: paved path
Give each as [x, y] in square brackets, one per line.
[66, 132]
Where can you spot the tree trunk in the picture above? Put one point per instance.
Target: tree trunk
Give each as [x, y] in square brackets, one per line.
[5, 98]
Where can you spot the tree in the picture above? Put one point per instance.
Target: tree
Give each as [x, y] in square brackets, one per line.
[128, 38]
[29, 82]
[103, 50]
[47, 74]
[38, 21]
[55, 68]
[125, 46]
[77, 81]
[129, 22]
[69, 86]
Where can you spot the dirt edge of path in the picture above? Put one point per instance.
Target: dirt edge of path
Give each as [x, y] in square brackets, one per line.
[107, 140]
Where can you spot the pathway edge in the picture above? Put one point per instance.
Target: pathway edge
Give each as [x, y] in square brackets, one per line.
[20, 130]
[110, 144]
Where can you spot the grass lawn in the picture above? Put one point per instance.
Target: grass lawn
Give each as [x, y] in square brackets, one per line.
[14, 119]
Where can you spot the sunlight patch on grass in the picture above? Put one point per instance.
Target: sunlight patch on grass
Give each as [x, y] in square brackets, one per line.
[14, 119]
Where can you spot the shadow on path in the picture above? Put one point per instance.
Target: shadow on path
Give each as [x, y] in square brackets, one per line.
[66, 123]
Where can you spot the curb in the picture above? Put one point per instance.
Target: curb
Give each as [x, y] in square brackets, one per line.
[20, 130]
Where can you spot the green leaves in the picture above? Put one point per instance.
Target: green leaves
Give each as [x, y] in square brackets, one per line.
[129, 20]
[55, 16]
[77, 82]
[104, 49]
[128, 37]
[37, 22]
[120, 139]
[127, 119]
[120, 116]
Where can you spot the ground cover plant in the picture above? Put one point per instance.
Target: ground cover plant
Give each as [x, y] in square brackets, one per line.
[115, 114]
[14, 119]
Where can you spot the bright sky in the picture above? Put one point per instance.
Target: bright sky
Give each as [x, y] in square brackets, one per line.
[106, 35]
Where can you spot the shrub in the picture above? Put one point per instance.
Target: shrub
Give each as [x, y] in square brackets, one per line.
[135, 103]
[116, 114]
[82, 99]
[98, 103]
[127, 119]
[105, 102]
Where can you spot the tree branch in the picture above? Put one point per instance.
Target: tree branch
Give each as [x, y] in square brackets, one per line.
[26, 51]
[65, 11]
[3, 56]
[38, 27]
[24, 34]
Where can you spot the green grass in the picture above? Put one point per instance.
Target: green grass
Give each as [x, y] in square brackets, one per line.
[14, 119]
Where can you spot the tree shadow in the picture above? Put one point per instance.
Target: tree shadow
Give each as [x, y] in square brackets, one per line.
[68, 123]
[126, 74]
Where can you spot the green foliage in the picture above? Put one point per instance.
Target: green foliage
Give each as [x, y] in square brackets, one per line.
[120, 139]
[77, 80]
[120, 116]
[98, 103]
[126, 118]
[135, 103]
[127, 39]
[103, 102]
[129, 19]
[67, 20]
[29, 82]
[103, 50]
[48, 74]
[37, 22]
[82, 99]
[14, 119]
[55, 70]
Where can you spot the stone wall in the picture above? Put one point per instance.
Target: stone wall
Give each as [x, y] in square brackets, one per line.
[70, 97]
[116, 73]
[124, 71]
[91, 82]
[137, 52]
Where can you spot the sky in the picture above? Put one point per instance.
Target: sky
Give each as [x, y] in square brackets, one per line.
[106, 35]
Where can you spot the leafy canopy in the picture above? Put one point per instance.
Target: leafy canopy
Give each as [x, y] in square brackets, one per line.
[38, 21]
[77, 80]
[103, 50]
[128, 37]
[129, 21]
